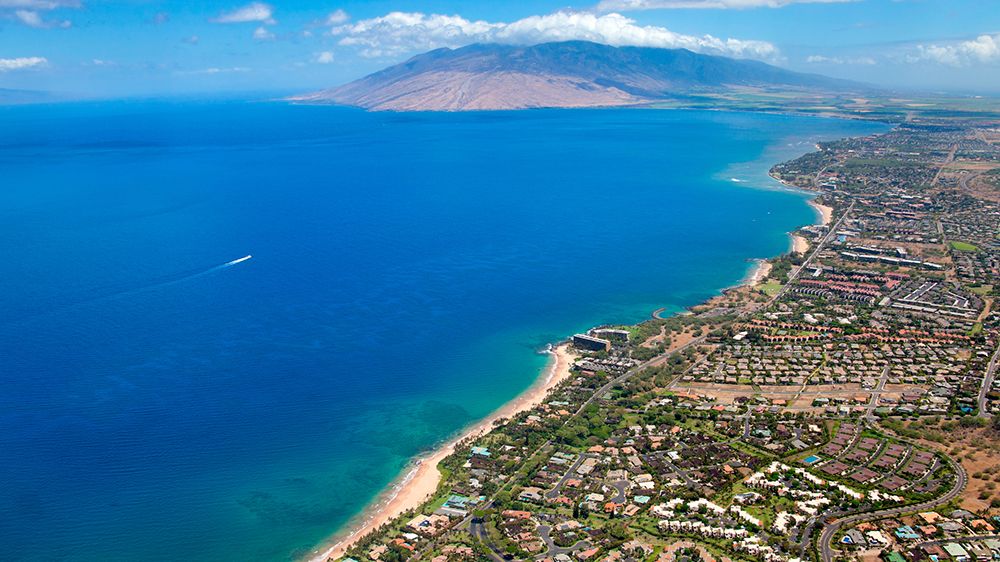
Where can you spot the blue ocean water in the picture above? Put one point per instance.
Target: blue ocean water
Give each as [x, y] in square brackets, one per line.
[157, 404]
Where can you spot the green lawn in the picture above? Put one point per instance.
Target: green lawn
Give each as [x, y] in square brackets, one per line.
[770, 288]
[964, 246]
[982, 289]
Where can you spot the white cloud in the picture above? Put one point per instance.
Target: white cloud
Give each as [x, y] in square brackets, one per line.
[337, 17]
[34, 19]
[820, 59]
[28, 12]
[983, 49]
[326, 57]
[626, 5]
[29, 18]
[399, 33]
[252, 12]
[39, 4]
[262, 34]
[21, 63]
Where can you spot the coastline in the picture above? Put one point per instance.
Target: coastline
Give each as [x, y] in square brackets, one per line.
[825, 212]
[758, 273]
[419, 482]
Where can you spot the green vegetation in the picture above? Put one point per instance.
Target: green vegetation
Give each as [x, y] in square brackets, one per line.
[981, 290]
[963, 246]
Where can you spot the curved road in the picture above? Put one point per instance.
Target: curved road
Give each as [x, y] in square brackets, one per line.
[825, 540]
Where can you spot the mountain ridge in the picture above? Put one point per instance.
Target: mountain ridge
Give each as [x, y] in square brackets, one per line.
[559, 74]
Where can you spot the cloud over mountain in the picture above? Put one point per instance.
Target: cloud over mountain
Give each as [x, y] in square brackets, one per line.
[399, 33]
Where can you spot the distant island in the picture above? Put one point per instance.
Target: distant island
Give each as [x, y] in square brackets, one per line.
[562, 74]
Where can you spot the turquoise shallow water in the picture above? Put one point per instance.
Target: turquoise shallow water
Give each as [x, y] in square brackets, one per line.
[406, 268]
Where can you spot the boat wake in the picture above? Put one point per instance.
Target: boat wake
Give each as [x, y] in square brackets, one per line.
[184, 277]
[114, 292]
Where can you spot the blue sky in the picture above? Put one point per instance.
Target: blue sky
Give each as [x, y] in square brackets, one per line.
[161, 47]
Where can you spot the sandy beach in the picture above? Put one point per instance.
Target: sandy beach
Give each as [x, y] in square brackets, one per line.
[421, 481]
[825, 212]
[760, 271]
[799, 244]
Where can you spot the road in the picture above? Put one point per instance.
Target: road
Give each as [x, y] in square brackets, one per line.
[633, 371]
[620, 487]
[948, 160]
[991, 371]
[554, 492]
[877, 392]
[826, 538]
[545, 532]
[478, 531]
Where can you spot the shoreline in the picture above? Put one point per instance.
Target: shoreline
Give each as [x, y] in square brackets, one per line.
[800, 245]
[412, 488]
[825, 212]
[758, 273]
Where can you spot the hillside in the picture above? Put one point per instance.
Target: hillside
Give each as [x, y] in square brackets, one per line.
[566, 74]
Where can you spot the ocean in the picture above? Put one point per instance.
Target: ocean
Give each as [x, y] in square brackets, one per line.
[162, 398]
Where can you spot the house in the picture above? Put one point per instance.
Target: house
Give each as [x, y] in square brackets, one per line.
[429, 525]
[981, 525]
[930, 517]
[531, 494]
[907, 533]
[876, 538]
[979, 551]
[854, 538]
[893, 556]
[934, 550]
[516, 514]
[956, 551]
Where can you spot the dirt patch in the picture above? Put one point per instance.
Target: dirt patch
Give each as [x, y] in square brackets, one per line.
[978, 449]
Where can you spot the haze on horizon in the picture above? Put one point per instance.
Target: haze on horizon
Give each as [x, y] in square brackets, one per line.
[96, 48]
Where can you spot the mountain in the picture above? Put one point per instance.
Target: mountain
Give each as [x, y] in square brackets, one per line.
[564, 74]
